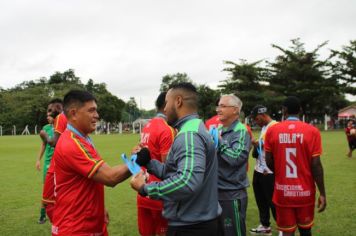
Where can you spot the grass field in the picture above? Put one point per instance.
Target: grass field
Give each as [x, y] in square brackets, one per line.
[21, 185]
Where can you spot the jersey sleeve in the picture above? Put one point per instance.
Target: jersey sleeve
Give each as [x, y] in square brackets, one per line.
[60, 123]
[166, 140]
[83, 159]
[316, 144]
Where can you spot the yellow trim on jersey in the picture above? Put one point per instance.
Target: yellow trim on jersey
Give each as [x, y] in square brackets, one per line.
[44, 200]
[307, 226]
[97, 163]
[82, 148]
[95, 168]
[287, 228]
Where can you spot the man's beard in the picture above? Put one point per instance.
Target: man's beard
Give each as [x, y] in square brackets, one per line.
[172, 118]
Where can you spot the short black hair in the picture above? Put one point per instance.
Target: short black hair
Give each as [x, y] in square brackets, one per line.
[185, 86]
[78, 97]
[258, 110]
[161, 100]
[56, 100]
[190, 91]
[292, 104]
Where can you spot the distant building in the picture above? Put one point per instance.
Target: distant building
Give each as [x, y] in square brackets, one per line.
[347, 112]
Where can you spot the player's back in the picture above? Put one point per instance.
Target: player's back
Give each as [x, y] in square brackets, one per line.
[158, 136]
[293, 145]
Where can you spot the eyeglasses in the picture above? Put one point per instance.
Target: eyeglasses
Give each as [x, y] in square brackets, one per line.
[223, 106]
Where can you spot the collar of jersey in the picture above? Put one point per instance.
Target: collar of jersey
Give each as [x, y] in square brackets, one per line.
[181, 121]
[74, 130]
[293, 118]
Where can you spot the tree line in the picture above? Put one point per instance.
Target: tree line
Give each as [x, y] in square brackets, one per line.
[321, 84]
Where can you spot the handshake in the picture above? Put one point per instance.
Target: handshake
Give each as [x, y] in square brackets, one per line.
[141, 158]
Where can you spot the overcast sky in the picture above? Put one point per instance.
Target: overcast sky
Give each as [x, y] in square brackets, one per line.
[130, 45]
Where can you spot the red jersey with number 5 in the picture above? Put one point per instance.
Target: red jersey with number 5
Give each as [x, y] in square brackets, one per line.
[293, 144]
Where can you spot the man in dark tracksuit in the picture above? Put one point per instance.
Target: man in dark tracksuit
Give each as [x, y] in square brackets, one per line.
[189, 176]
[233, 151]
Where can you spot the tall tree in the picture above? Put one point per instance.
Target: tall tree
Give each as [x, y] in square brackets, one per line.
[245, 80]
[207, 101]
[345, 67]
[132, 110]
[169, 80]
[301, 73]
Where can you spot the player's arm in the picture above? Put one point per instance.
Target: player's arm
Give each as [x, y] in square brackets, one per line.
[190, 157]
[111, 176]
[51, 141]
[40, 155]
[236, 152]
[269, 160]
[318, 174]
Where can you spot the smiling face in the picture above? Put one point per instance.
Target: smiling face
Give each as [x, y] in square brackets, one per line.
[227, 112]
[84, 117]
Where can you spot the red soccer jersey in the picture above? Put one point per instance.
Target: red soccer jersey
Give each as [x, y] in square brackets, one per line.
[293, 144]
[60, 123]
[79, 208]
[349, 137]
[213, 122]
[158, 136]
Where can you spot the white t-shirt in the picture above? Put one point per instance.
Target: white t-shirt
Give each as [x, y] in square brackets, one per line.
[261, 165]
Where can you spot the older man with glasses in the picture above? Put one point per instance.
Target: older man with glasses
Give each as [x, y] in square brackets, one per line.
[233, 151]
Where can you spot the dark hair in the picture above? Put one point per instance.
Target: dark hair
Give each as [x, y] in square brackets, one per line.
[292, 104]
[258, 110]
[56, 100]
[76, 97]
[190, 94]
[185, 86]
[160, 101]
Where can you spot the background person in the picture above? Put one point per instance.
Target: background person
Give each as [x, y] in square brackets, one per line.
[293, 150]
[351, 137]
[158, 137]
[233, 151]
[263, 177]
[46, 151]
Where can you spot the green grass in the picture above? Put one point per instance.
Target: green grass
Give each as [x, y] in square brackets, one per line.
[21, 186]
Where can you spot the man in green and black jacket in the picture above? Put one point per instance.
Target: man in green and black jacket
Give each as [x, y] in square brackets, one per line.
[189, 176]
[233, 150]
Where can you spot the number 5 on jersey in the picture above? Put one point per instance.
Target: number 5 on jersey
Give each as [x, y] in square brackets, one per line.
[291, 167]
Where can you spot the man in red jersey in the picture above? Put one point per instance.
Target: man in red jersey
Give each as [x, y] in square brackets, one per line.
[158, 137]
[351, 138]
[213, 122]
[60, 124]
[293, 150]
[80, 173]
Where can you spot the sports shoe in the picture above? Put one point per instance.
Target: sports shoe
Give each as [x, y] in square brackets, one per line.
[41, 220]
[261, 230]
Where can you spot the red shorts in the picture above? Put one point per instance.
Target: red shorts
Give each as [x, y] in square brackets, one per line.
[151, 222]
[48, 189]
[289, 218]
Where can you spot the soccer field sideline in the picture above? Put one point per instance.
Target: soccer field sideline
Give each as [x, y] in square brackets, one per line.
[20, 189]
